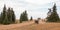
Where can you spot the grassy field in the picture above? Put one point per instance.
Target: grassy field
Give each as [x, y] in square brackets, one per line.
[31, 26]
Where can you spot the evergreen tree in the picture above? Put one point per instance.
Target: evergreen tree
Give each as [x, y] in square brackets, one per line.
[13, 15]
[4, 16]
[54, 16]
[21, 18]
[9, 15]
[1, 18]
[6, 22]
[31, 18]
[4, 19]
[4, 13]
[24, 16]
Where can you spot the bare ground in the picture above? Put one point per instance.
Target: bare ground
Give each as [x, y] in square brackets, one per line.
[31, 26]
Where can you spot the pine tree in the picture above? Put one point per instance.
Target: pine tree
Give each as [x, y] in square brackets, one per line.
[12, 15]
[4, 13]
[6, 21]
[24, 16]
[0, 18]
[21, 18]
[4, 18]
[54, 16]
[9, 15]
[31, 18]
[1, 15]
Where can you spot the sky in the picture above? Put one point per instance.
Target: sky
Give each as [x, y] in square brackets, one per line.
[35, 8]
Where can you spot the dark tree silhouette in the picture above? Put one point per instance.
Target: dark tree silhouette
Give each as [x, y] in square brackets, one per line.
[54, 16]
[7, 16]
[31, 18]
[4, 16]
[24, 16]
[13, 15]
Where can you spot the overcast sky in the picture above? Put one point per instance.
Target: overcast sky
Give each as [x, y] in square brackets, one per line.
[35, 8]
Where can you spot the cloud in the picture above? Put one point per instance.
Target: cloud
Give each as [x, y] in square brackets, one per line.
[35, 8]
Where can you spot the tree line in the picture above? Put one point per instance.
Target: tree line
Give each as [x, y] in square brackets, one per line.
[7, 16]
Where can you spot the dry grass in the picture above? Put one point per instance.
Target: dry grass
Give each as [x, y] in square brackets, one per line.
[45, 26]
[31, 26]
